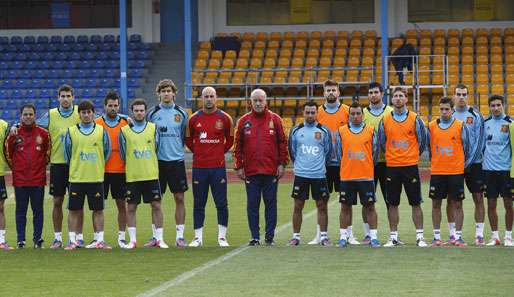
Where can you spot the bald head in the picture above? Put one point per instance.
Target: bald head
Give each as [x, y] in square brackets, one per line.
[258, 98]
[209, 99]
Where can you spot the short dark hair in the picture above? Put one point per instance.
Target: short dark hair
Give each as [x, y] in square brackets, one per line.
[329, 83]
[28, 105]
[461, 86]
[446, 100]
[111, 95]
[355, 104]
[310, 103]
[86, 105]
[64, 88]
[138, 101]
[399, 89]
[376, 84]
[495, 97]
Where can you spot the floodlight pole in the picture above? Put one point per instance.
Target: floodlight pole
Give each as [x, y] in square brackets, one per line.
[187, 51]
[123, 56]
[385, 44]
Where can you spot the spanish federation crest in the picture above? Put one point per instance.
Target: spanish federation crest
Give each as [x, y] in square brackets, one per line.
[218, 125]
[178, 118]
[39, 139]
[317, 135]
[469, 120]
[505, 128]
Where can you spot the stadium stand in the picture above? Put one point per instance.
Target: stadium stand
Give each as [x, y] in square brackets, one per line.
[32, 68]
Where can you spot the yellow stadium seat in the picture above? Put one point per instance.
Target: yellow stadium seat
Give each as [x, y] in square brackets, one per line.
[297, 62]
[425, 42]
[453, 33]
[508, 32]
[329, 35]
[248, 36]
[302, 43]
[437, 79]
[496, 40]
[216, 55]
[453, 69]
[260, 45]
[482, 41]
[482, 78]
[246, 45]
[205, 45]
[508, 40]
[483, 89]
[200, 64]
[295, 73]
[369, 52]
[467, 32]
[467, 60]
[424, 60]
[356, 35]
[314, 44]
[353, 62]
[440, 41]
[494, 32]
[342, 44]
[315, 35]
[509, 69]
[327, 53]
[481, 68]
[355, 43]
[244, 54]
[396, 43]
[325, 62]
[425, 33]
[370, 34]
[299, 53]
[227, 64]
[340, 52]
[467, 41]
[453, 41]
[203, 54]
[269, 63]
[302, 35]
[328, 44]
[496, 50]
[467, 50]
[482, 59]
[439, 33]
[497, 78]
[411, 33]
[482, 50]
[369, 43]
[313, 53]
[439, 50]
[294, 79]
[288, 36]
[273, 44]
[285, 53]
[510, 89]
[468, 69]
[482, 32]
[366, 75]
[496, 59]
[509, 58]
[256, 63]
[453, 51]
[279, 79]
[355, 52]
[467, 79]
[271, 53]
[287, 44]
[257, 53]
[261, 36]
[283, 62]
[230, 54]
[275, 36]
[339, 62]
[496, 68]
[311, 62]
[425, 50]
[453, 79]
[342, 35]
[213, 64]
[453, 60]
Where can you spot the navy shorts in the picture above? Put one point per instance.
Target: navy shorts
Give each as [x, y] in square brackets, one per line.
[451, 186]
[93, 191]
[317, 187]
[350, 189]
[408, 177]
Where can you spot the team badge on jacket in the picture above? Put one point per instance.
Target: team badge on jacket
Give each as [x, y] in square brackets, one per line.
[469, 120]
[178, 118]
[317, 135]
[219, 125]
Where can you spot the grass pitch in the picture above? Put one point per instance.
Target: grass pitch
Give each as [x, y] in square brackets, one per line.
[260, 271]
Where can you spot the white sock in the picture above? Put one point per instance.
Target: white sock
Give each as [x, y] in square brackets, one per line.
[132, 234]
[80, 236]
[318, 230]
[451, 227]
[437, 234]
[366, 230]
[495, 235]
[419, 234]
[296, 235]
[180, 231]
[121, 235]
[508, 234]
[72, 237]
[2, 236]
[323, 234]
[58, 236]
[222, 231]
[95, 236]
[393, 235]
[199, 233]
[479, 230]
[343, 234]
[159, 234]
[100, 236]
[350, 231]
[458, 235]
[153, 230]
[373, 233]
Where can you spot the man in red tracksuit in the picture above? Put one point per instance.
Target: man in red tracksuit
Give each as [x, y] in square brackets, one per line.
[28, 153]
[260, 155]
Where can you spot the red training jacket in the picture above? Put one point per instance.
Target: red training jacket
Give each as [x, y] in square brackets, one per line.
[260, 144]
[209, 136]
[27, 155]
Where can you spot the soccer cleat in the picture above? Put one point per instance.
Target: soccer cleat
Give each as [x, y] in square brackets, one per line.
[451, 241]
[342, 243]
[353, 241]
[196, 242]
[130, 245]
[314, 241]
[38, 244]
[80, 243]
[92, 245]
[4, 246]
[421, 243]
[254, 242]
[57, 244]
[151, 243]
[21, 244]
[180, 242]
[493, 242]
[294, 242]
[366, 239]
[71, 246]
[460, 243]
[325, 242]
[162, 245]
[122, 243]
[102, 245]
[479, 241]
[269, 241]
[392, 243]
[508, 242]
[437, 242]
[222, 242]
[374, 243]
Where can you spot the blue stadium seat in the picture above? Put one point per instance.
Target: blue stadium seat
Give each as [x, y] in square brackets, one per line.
[4, 40]
[31, 95]
[16, 40]
[26, 48]
[101, 92]
[74, 64]
[133, 83]
[67, 73]
[131, 93]
[99, 64]
[40, 47]
[41, 104]
[89, 56]
[109, 38]
[42, 39]
[11, 48]
[105, 47]
[115, 56]
[91, 83]
[56, 39]
[114, 64]
[26, 73]
[6, 84]
[78, 47]
[47, 56]
[106, 83]
[85, 64]
[95, 73]
[53, 74]
[4, 65]
[91, 47]
[33, 56]
[46, 94]
[75, 56]
[8, 56]
[137, 64]
[58, 64]
[37, 83]
[50, 84]
[143, 55]
[135, 38]
[53, 47]
[82, 39]
[10, 104]
[104, 55]
[61, 56]
[133, 46]
[66, 47]
[13, 74]
[22, 84]
[69, 39]
[17, 94]
[20, 57]
[17, 65]
[39, 73]
[29, 40]
[78, 83]
[81, 73]
[112, 73]
[4, 94]
[44, 64]
[96, 39]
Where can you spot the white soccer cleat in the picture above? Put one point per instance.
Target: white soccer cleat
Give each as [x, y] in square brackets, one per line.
[508, 242]
[122, 243]
[162, 245]
[222, 242]
[196, 242]
[353, 241]
[92, 245]
[392, 243]
[493, 242]
[421, 243]
[314, 241]
[130, 245]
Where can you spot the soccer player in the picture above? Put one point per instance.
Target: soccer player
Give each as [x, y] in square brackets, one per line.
[332, 114]
[358, 150]
[310, 146]
[497, 166]
[171, 121]
[28, 153]
[473, 175]
[450, 153]
[3, 189]
[260, 156]
[402, 135]
[114, 178]
[86, 148]
[139, 146]
[373, 114]
[209, 136]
